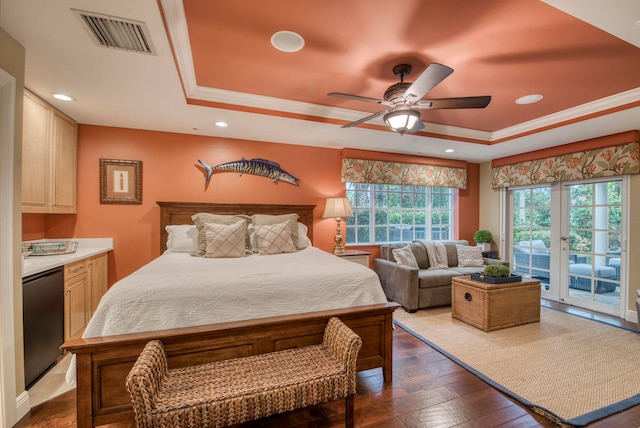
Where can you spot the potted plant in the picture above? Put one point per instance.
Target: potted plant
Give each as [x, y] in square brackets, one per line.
[483, 238]
[496, 274]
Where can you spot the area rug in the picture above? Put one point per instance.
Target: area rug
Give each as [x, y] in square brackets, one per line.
[571, 369]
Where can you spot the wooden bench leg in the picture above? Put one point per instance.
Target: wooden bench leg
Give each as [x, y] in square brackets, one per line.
[350, 420]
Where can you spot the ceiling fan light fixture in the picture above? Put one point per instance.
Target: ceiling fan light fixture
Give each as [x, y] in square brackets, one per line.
[402, 121]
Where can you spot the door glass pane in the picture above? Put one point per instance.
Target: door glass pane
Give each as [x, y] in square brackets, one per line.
[594, 243]
[531, 226]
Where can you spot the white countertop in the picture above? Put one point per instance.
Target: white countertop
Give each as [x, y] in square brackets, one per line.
[87, 247]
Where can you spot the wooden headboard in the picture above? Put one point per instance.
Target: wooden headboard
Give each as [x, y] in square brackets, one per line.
[181, 212]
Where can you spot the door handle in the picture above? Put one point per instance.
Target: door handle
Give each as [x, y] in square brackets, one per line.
[564, 238]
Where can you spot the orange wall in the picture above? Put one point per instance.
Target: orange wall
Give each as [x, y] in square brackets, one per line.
[169, 173]
[33, 226]
[468, 215]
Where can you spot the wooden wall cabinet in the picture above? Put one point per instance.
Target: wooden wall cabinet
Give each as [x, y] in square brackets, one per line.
[49, 158]
[85, 282]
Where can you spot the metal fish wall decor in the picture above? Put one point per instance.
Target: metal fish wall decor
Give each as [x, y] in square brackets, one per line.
[255, 166]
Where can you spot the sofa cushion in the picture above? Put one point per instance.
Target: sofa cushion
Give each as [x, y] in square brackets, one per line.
[468, 270]
[428, 278]
[404, 256]
[420, 253]
[386, 251]
[450, 246]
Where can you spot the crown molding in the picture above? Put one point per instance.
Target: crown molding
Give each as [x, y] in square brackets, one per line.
[568, 115]
[176, 24]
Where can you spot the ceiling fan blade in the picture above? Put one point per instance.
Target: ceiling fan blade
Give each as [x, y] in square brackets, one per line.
[417, 127]
[452, 103]
[364, 119]
[428, 80]
[359, 98]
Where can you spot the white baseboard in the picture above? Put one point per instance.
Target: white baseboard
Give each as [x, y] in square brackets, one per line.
[632, 316]
[22, 405]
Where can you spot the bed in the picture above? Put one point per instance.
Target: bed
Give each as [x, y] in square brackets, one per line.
[103, 360]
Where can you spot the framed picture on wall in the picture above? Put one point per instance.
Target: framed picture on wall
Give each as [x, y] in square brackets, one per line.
[120, 181]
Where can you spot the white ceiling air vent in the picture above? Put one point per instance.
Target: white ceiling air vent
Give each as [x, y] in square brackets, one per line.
[118, 33]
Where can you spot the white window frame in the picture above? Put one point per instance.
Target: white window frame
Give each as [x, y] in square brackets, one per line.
[352, 190]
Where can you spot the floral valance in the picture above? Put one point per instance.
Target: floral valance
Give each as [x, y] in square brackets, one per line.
[382, 172]
[601, 162]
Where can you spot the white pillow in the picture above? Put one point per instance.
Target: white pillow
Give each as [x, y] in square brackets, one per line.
[182, 238]
[404, 256]
[225, 240]
[303, 238]
[469, 256]
[273, 238]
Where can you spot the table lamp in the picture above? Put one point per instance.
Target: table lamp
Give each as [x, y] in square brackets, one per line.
[337, 208]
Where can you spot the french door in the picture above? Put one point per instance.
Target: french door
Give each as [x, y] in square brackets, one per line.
[592, 243]
[571, 236]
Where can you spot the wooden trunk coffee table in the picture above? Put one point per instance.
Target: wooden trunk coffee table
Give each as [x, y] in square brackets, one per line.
[495, 306]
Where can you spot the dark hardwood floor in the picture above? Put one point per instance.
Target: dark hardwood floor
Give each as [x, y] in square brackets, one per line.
[428, 390]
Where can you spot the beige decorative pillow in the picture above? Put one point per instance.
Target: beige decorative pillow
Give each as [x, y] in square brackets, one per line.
[200, 219]
[469, 256]
[292, 219]
[225, 241]
[404, 256]
[273, 239]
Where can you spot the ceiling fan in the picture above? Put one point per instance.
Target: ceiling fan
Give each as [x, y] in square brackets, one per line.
[404, 99]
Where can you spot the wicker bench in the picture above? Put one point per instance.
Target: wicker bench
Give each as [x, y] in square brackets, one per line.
[228, 392]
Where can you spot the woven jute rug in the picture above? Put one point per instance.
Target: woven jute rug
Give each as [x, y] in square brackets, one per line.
[571, 369]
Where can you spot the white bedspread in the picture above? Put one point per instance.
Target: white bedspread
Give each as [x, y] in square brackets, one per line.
[178, 290]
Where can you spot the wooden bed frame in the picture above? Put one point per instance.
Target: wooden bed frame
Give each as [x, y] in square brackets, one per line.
[102, 363]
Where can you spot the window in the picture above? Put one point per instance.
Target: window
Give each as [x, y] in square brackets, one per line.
[391, 213]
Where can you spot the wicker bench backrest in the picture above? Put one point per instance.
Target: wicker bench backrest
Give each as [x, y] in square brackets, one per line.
[345, 345]
[145, 378]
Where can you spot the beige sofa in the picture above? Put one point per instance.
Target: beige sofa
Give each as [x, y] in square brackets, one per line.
[417, 288]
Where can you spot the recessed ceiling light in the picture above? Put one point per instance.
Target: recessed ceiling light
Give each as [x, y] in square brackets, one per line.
[287, 41]
[221, 124]
[450, 150]
[529, 99]
[62, 97]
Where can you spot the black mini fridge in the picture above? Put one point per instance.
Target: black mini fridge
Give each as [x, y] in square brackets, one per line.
[43, 318]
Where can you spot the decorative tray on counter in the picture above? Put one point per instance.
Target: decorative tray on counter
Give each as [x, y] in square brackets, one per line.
[49, 248]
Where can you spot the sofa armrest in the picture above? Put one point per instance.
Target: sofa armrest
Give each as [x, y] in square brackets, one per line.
[399, 282]
[488, 261]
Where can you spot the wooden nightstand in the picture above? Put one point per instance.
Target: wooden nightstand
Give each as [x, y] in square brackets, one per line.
[356, 256]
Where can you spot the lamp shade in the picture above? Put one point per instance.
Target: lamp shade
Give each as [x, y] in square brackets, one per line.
[337, 208]
[402, 121]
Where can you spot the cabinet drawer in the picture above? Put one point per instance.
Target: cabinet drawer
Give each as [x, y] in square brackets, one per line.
[363, 260]
[356, 256]
[74, 269]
